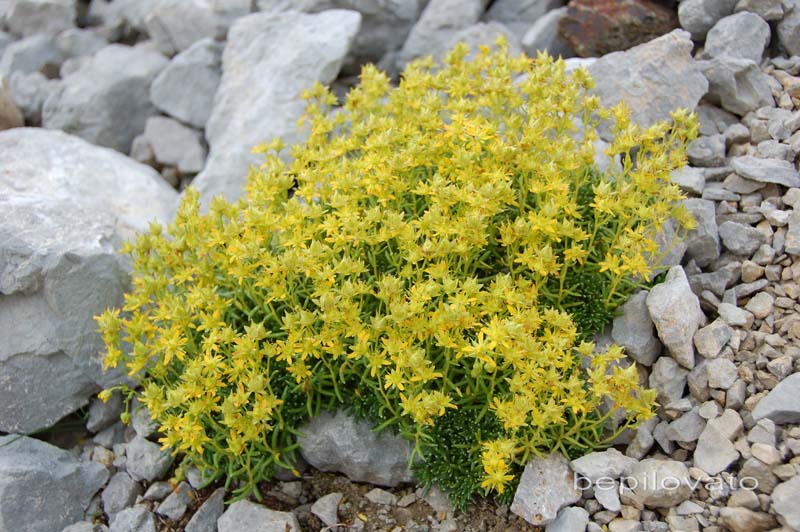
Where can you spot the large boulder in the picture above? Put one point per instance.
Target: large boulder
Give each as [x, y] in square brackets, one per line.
[340, 443]
[107, 99]
[66, 204]
[268, 61]
[44, 488]
[653, 79]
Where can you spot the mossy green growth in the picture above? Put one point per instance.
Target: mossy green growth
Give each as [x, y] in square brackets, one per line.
[435, 255]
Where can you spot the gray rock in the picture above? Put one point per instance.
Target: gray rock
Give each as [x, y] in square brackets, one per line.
[547, 485]
[120, 493]
[609, 463]
[198, 67]
[699, 16]
[710, 339]
[660, 483]
[29, 90]
[722, 373]
[174, 144]
[707, 151]
[762, 432]
[714, 451]
[633, 330]
[327, 508]
[784, 502]
[245, 515]
[384, 25]
[77, 42]
[379, 496]
[653, 79]
[766, 170]
[175, 25]
[107, 100]
[670, 248]
[146, 461]
[669, 380]
[769, 10]
[686, 428]
[691, 180]
[136, 519]
[702, 242]
[570, 519]
[44, 488]
[205, 518]
[781, 405]
[158, 491]
[676, 312]
[520, 15]
[67, 204]
[28, 17]
[789, 28]
[543, 36]
[792, 244]
[761, 305]
[30, 54]
[282, 55]
[743, 36]
[176, 503]
[103, 414]
[737, 85]
[339, 443]
[741, 239]
[484, 34]
[437, 24]
[141, 420]
[744, 520]
[714, 120]
[607, 494]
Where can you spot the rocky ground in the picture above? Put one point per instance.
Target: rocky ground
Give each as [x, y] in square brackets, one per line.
[128, 101]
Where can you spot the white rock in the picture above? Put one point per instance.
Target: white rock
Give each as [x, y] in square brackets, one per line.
[660, 483]
[743, 35]
[609, 463]
[198, 67]
[282, 55]
[28, 17]
[175, 144]
[245, 515]
[547, 485]
[781, 405]
[653, 78]
[676, 312]
[326, 508]
[785, 502]
[721, 373]
[571, 519]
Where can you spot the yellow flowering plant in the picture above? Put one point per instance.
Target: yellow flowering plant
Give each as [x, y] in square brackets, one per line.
[437, 256]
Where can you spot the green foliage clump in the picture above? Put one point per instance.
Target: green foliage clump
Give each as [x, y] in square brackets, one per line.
[435, 256]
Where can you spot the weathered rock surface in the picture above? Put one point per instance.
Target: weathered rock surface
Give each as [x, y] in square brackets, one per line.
[547, 485]
[107, 100]
[676, 312]
[660, 483]
[543, 36]
[198, 67]
[737, 85]
[699, 16]
[434, 31]
[784, 502]
[282, 55]
[43, 488]
[245, 515]
[653, 79]
[205, 518]
[633, 330]
[67, 203]
[766, 170]
[28, 17]
[781, 404]
[594, 28]
[742, 35]
[175, 145]
[520, 15]
[339, 443]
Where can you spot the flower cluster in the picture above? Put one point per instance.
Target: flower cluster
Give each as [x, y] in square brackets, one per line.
[440, 248]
